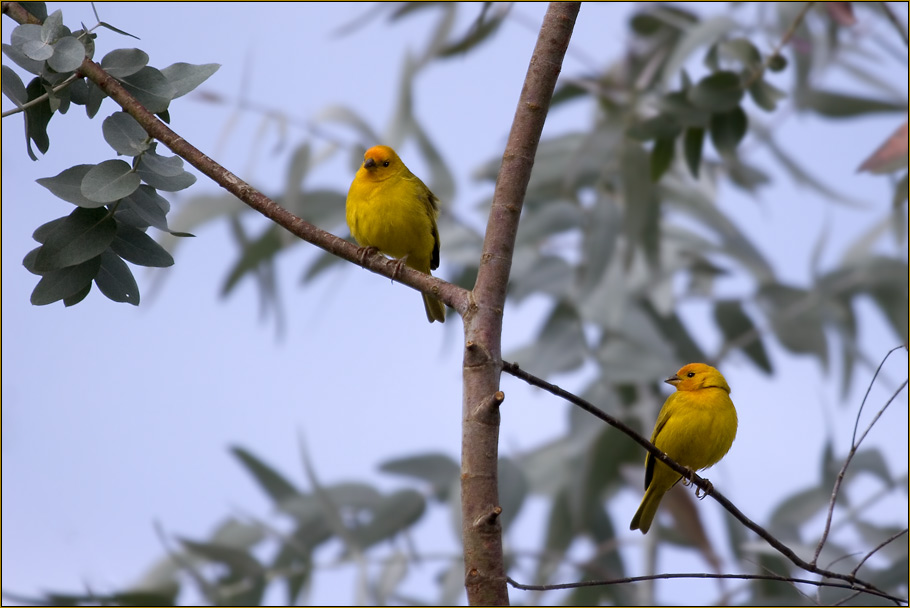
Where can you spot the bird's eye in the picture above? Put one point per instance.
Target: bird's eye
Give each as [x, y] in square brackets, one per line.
[690, 375]
[385, 164]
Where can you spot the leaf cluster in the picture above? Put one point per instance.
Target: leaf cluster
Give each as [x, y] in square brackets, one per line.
[116, 201]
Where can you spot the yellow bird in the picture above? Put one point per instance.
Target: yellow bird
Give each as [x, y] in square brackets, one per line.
[390, 209]
[695, 427]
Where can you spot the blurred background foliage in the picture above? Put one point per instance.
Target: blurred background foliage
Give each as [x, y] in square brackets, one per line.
[620, 228]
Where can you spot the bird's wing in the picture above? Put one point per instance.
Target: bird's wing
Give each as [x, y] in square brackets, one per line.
[662, 418]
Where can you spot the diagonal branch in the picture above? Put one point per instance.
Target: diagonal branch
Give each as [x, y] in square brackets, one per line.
[453, 295]
[705, 485]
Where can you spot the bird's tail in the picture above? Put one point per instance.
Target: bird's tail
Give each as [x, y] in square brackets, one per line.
[646, 512]
[436, 310]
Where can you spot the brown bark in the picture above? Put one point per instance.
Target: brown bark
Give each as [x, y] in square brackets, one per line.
[485, 578]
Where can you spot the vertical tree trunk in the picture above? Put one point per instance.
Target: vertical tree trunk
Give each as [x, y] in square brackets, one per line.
[481, 531]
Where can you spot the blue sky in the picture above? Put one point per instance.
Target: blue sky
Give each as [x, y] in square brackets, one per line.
[117, 417]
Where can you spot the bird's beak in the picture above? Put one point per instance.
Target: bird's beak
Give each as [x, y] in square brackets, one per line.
[369, 163]
[674, 380]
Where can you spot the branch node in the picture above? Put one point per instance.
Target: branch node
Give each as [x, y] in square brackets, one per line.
[488, 406]
[488, 519]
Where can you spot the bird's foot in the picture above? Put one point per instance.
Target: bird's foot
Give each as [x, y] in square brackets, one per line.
[366, 252]
[709, 487]
[689, 477]
[401, 262]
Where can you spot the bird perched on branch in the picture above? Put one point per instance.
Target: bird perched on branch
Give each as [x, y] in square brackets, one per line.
[695, 427]
[390, 209]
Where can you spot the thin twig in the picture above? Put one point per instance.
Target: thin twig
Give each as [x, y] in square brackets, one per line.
[697, 575]
[705, 485]
[868, 390]
[853, 449]
[881, 545]
[783, 42]
[40, 98]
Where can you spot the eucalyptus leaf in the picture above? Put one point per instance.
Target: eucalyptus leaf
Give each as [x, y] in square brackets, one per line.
[184, 77]
[662, 157]
[37, 117]
[164, 172]
[139, 248]
[83, 235]
[65, 282]
[78, 296]
[53, 27]
[95, 97]
[144, 208]
[736, 325]
[109, 181]
[13, 87]
[274, 484]
[693, 143]
[68, 185]
[728, 129]
[115, 280]
[393, 514]
[29, 261]
[239, 561]
[124, 134]
[796, 319]
[69, 54]
[19, 58]
[765, 95]
[439, 470]
[150, 88]
[121, 63]
[843, 105]
[560, 346]
[260, 251]
[28, 40]
[719, 92]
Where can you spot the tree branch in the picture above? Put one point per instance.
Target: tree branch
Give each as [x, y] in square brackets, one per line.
[854, 446]
[453, 295]
[481, 529]
[706, 486]
[702, 575]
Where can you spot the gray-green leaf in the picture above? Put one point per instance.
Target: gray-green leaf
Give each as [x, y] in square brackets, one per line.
[109, 181]
[82, 235]
[184, 77]
[121, 63]
[164, 172]
[728, 129]
[65, 282]
[68, 55]
[28, 40]
[124, 134]
[719, 92]
[137, 247]
[150, 88]
[68, 185]
[13, 87]
[144, 208]
[115, 280]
